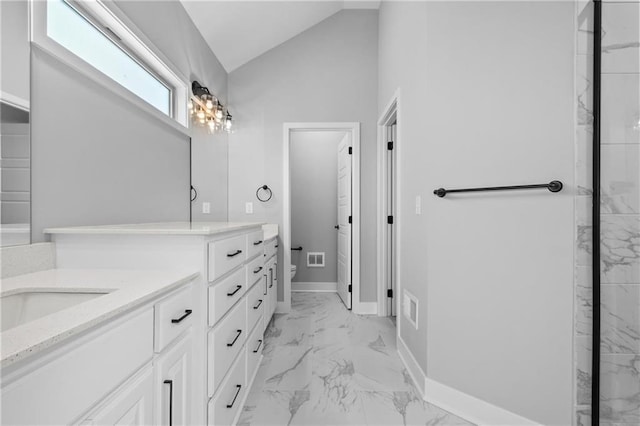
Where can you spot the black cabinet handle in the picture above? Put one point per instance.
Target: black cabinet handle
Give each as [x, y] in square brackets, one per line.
[237, 252]
[187, 312]
[170, 383]
[238, 287]
[276, 246]
[234, 340]
[255, 271]
[257, 243]
[258, 305]
[234, 398]
[258, 348]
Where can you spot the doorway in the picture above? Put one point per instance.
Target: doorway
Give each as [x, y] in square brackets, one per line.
[344, 228]
[388, 226]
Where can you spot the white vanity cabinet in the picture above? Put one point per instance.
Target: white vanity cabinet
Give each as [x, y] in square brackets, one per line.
[228, 316]
[107, 375]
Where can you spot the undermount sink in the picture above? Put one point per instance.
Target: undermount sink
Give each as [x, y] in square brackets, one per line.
[26, 306]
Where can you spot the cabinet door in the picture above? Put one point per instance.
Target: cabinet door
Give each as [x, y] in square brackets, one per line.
[173, 384]
[132, 404]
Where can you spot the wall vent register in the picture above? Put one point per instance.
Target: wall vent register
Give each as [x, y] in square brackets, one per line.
[410, 308]
[315, 259]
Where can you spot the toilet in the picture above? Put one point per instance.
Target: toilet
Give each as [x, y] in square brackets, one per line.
[293, 271]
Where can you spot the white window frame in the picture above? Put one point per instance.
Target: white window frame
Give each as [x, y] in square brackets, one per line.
[96, 12]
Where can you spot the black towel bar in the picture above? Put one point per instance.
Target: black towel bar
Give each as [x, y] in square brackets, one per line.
[553, 186]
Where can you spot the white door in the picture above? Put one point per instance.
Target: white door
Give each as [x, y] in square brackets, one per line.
[173, 384]
[344, 214]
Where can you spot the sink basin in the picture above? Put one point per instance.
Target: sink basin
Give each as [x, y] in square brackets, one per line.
[21, 308]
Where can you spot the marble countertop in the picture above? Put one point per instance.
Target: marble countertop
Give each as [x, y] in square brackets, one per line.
[127, 290]
[161, 228]
[270, 230]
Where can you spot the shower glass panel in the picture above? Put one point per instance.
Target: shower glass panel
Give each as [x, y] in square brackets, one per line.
[620, 215]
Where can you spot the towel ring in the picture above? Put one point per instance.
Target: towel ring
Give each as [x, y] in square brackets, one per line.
[264, 188]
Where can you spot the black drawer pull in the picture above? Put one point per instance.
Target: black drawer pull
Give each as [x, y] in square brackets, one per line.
[255, 271]
[170, 383]
[234, 398]
[258, 348]
[258, 305]
[187, 312]
[257, 243]
[238, 287]
[276, 246]
[271, 285]
[237, 252]
[234, 340]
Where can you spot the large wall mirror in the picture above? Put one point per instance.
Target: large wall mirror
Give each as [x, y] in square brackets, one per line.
[15, 170]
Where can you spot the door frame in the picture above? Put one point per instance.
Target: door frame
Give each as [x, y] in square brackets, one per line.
[354, 129]
[391, 111]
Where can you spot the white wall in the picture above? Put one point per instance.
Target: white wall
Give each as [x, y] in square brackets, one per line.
[14, 54]
[313, 157]
[121, 165]
[170, 28]
[486, 100]
[326, 74]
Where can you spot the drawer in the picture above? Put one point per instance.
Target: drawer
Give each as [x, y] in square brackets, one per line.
[255, 270]
[224, 255]
[173, 315]
[223, 295]
[254, 346]
[226, 405]
[255, 305]
[255, 243]
[270, 248]
[224, 344]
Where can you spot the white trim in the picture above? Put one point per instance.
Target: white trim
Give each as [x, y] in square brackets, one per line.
[354, 128]
[412, 366]
[470, 408]
[111, 17]
[392, 108]
[368, 308]
[14, 101]
[456, 402]
[326, 287]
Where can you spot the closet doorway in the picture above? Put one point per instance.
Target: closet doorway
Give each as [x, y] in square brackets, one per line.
[322, 160]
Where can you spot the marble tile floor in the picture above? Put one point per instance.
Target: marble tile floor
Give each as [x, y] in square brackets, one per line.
[324, 365]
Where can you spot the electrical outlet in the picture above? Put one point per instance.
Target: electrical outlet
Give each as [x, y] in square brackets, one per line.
[206, 208]
[248, 207]
[418, 205]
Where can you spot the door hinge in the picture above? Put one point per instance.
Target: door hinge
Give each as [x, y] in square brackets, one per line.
[350, 219]
[390, 220]
[390, 145]
[350, 150]
[390, 292]
[350, 287]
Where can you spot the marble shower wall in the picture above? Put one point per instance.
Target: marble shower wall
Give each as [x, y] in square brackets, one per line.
[620, 215]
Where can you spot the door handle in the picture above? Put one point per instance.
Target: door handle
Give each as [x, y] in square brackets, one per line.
[170, 383]
[238, 287]
[337, 226]
[234, 398]
[187, 312]
[237, 252]
[234, 340]
[258, 347]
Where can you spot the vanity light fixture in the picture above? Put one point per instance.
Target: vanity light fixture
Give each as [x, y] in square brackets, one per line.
[208, 110]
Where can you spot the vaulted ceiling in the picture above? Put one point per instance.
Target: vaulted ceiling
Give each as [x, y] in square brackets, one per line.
[238, 31]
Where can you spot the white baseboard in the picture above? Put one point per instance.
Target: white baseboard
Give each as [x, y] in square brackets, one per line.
[412, 366]
[366, 308]
[463, 405]
[314, 287]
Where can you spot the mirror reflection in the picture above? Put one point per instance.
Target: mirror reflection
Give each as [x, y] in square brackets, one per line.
[15, 172]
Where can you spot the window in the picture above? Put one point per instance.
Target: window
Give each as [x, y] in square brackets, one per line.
[98, 40]
[70, 29]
